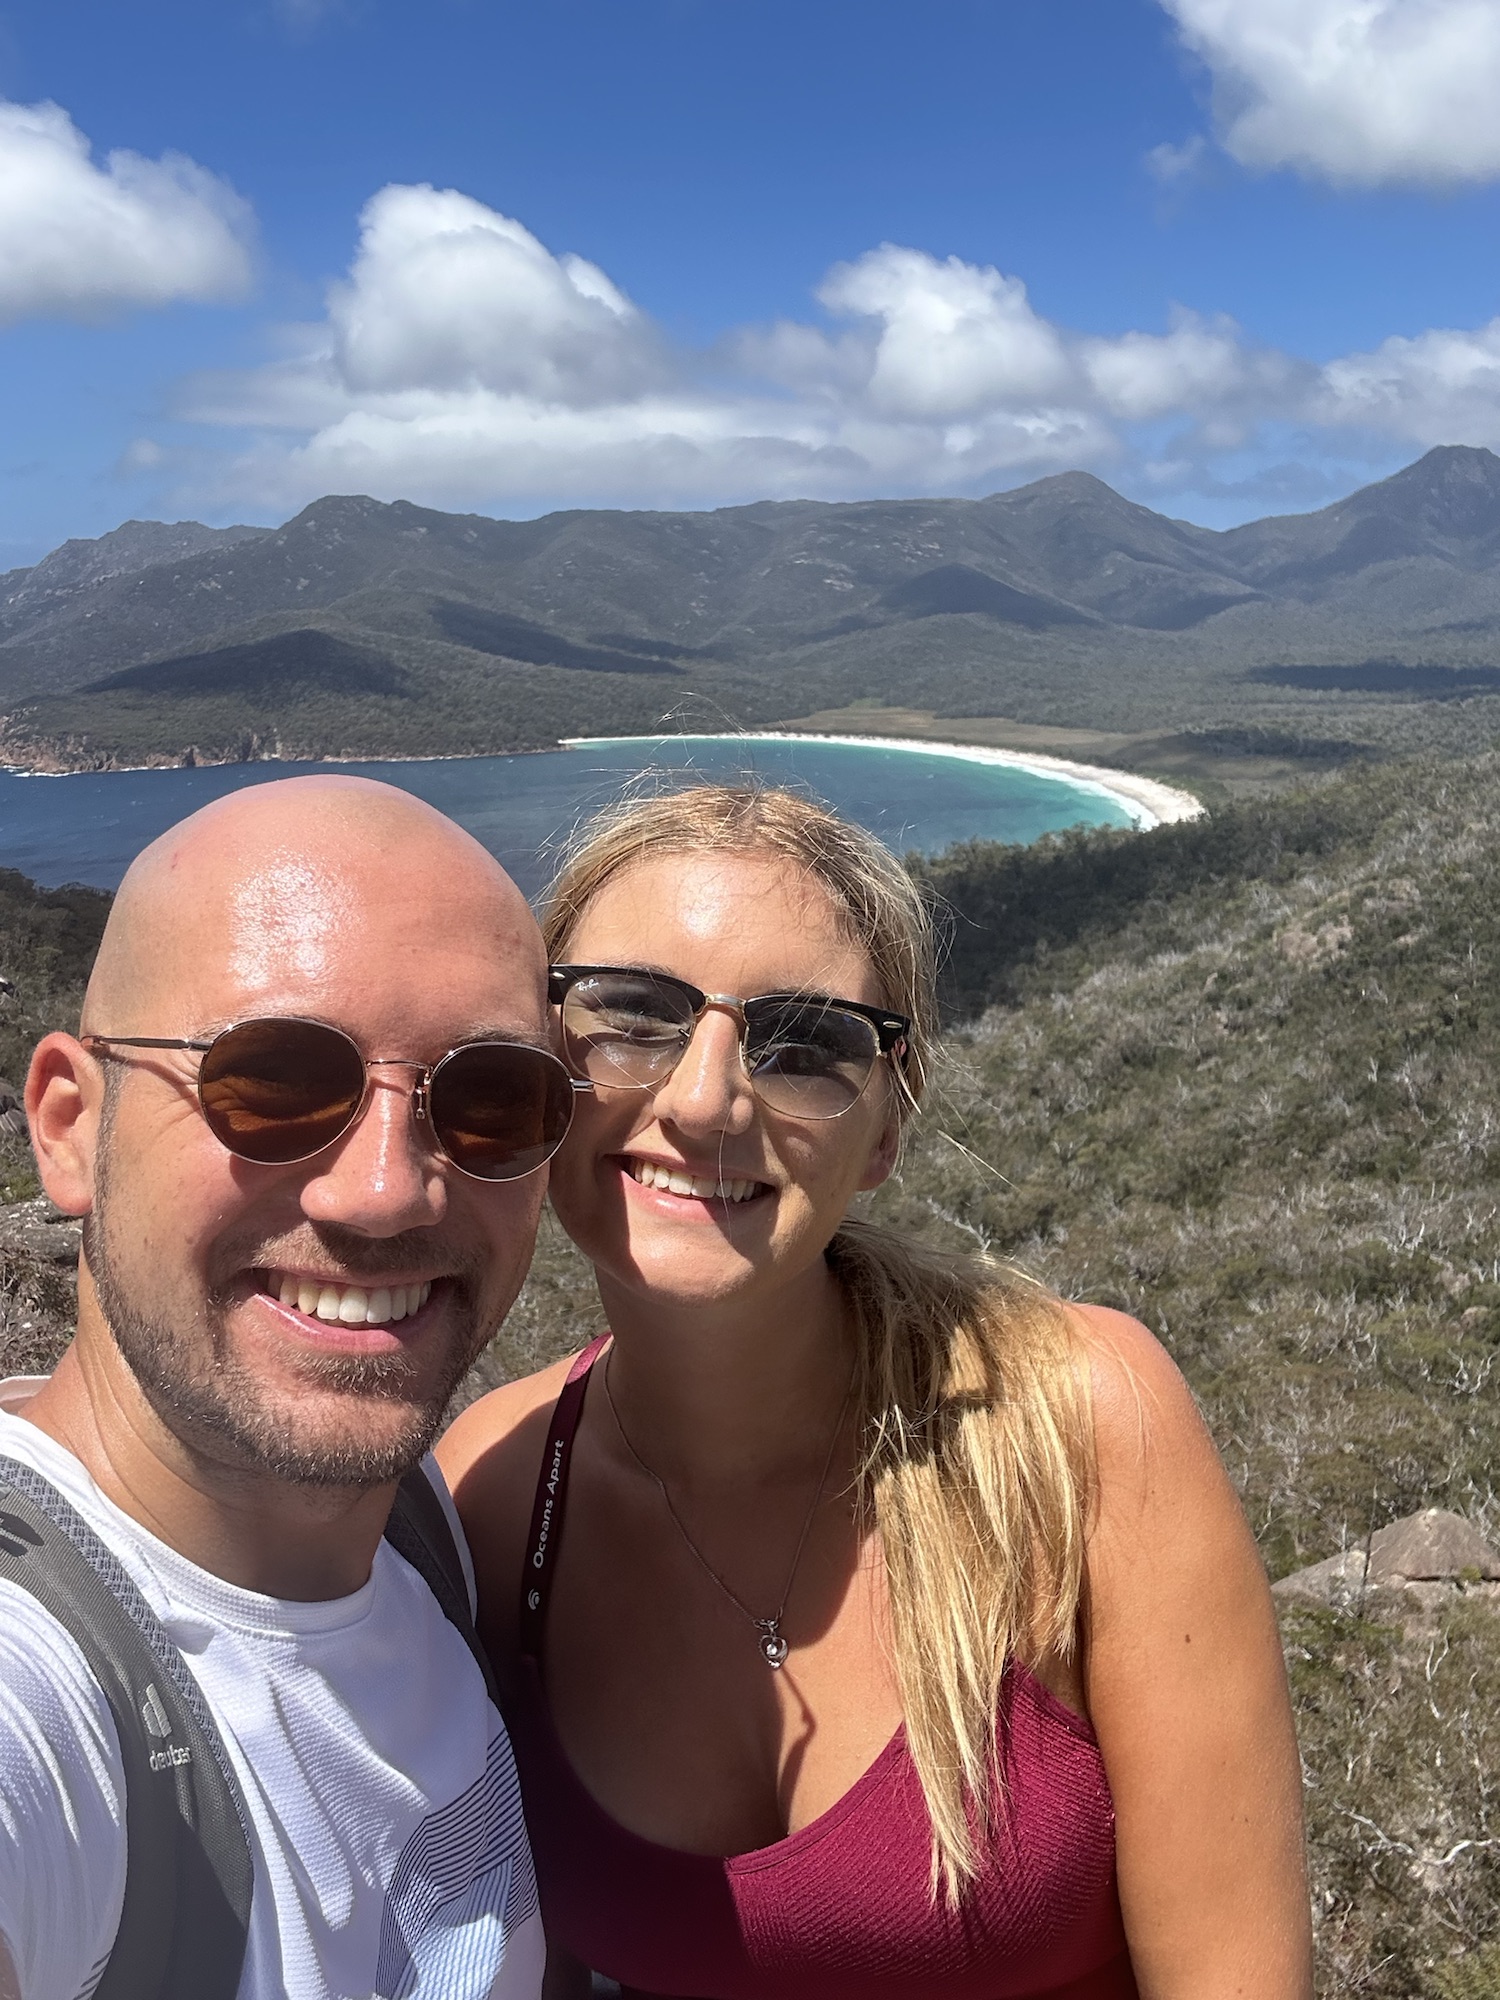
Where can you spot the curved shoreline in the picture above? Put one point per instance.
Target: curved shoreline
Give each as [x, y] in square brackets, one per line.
[1148, 801]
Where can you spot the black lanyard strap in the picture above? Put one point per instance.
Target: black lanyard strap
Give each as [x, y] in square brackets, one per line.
[545, 1539]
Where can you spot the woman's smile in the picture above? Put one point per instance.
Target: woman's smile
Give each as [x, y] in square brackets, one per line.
[684, 1186]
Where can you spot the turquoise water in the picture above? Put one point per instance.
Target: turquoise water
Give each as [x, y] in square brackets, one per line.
[86, 828]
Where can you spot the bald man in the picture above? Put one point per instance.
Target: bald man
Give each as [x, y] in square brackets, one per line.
[297, 1235]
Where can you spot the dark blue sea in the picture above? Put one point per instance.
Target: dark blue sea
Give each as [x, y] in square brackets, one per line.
[87, 828]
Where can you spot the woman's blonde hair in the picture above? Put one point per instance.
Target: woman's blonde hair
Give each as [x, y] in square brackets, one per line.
[975, 1450]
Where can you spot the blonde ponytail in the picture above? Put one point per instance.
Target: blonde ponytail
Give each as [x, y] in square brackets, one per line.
[975, 1470]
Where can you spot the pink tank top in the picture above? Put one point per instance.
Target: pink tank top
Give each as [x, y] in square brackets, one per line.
[841, 1909]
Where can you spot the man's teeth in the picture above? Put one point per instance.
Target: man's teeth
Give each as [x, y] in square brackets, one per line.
[354, 1305]
[649, 1174]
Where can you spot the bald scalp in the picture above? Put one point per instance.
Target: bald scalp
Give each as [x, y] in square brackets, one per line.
[260, 883]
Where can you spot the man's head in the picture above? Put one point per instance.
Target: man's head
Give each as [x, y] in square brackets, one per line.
[259, 1307]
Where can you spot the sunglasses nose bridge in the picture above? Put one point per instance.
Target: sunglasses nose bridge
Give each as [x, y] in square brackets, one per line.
[421, 1084]
[715, 1003]
[726, 1003]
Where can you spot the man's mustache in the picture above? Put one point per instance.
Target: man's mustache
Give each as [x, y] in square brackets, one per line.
[351, 1256]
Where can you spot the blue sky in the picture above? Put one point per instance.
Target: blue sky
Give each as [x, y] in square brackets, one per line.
[1236, 256]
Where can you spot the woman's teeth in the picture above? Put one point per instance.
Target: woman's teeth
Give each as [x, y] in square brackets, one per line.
[353, 1305]
[674, 1181]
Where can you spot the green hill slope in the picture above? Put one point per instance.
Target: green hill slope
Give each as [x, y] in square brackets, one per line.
[1060, 603]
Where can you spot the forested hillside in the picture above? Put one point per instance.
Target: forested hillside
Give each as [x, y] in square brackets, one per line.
[364, 628]
[1238, 1076]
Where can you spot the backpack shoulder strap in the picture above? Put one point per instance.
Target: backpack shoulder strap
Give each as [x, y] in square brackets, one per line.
[420, 1531]
[189, 1873]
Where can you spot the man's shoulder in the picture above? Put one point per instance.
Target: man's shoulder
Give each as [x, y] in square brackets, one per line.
[57, 1732]
[62, 1790]
[43, 1456]
[43, 1672]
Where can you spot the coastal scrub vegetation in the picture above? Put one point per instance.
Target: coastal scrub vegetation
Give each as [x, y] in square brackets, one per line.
[1236, 1076]
[48, 938]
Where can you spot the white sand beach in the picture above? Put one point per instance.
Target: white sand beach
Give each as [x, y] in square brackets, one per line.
[1148, 801]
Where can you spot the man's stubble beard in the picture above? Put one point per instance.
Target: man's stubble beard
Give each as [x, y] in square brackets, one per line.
[212, 1403]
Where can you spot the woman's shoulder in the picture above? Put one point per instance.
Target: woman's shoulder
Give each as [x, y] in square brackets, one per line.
[1165, 1509]
[1139, 1399]
[501, 1430]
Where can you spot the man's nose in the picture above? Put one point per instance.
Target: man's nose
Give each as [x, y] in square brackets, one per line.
[709, 1090]
[385, 1174]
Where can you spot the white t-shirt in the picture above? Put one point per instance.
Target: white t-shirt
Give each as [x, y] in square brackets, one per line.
[390, 1855]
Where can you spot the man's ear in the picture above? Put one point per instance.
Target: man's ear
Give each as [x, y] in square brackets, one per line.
[64, 1097]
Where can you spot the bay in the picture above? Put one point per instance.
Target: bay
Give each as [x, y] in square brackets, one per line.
[88, 826]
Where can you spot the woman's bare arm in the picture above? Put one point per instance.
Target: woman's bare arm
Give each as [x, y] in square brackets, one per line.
[1188, 1695]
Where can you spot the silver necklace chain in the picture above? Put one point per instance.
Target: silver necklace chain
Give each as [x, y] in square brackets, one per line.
[773, 1645]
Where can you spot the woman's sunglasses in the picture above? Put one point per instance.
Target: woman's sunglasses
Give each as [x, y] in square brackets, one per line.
[805, 1056]
[281, 1090]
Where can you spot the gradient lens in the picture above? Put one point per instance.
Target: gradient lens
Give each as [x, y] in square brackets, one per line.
[626, 1027]
[280, 1090]
[808, 1058]
[500, 1109]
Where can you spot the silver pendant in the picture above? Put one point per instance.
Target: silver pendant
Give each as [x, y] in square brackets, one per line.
[773, 1648]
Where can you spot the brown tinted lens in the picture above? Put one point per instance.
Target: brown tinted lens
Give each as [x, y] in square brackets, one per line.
[277, 1091]
[500, 1109]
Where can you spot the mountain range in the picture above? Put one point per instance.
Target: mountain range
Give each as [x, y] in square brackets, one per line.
[362, 626]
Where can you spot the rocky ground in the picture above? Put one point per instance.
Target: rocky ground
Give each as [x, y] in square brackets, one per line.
[38, 1284]
[1393, 1647]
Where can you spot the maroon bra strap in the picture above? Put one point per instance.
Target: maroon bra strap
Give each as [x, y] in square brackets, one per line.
[545, 1539]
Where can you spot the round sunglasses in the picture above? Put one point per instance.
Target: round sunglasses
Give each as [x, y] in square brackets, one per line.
[280, 1090]
[806, 1056]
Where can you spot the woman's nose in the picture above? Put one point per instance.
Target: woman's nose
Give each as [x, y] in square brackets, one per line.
[709, 1087]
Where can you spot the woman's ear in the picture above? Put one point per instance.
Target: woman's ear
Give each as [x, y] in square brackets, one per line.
[64, 1095]
[882, 1161]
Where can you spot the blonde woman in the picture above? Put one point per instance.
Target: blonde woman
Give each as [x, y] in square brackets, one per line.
[872, 1626]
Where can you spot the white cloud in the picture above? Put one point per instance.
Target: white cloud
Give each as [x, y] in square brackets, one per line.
[462, 363]
[81, 241]
[1201, 368]
[446, 294]
[1176, 166]
[1443, 387]
[955, 338]
[1360, 92]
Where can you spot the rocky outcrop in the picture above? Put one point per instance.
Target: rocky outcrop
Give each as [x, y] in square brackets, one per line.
[38, 1291]
[1430, 1554]
[36, 1229]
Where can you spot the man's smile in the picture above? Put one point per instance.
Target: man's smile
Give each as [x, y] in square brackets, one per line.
[331, 1299]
